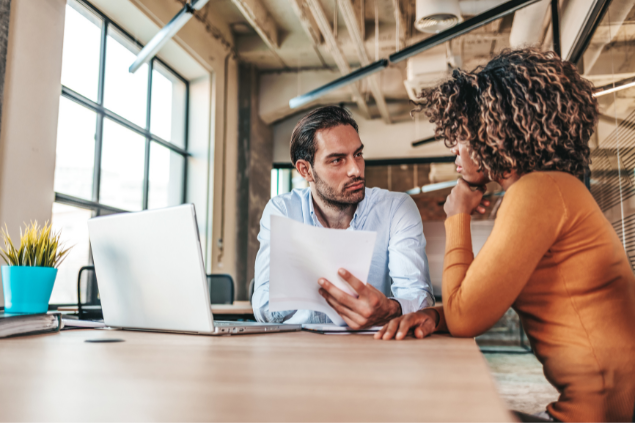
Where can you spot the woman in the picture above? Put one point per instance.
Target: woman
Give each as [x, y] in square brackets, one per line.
[524, 121]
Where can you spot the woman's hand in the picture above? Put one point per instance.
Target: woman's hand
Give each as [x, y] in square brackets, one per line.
[463, 200]
[421, 324]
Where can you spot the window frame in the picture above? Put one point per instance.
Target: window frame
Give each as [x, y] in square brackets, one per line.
[102, 113]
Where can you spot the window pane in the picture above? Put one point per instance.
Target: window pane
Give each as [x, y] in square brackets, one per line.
[71, 221]
[80, 60]
[75, 150]
[125, 93]
[166, 177]
[122, 159]
[280, 181]
[168, 105]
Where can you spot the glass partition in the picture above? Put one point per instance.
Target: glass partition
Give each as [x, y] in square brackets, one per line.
[609, 63]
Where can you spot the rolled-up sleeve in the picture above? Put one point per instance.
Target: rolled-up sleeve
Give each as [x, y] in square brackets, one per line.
[407, 260]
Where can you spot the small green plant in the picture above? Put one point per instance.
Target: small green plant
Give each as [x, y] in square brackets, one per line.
[38, 247]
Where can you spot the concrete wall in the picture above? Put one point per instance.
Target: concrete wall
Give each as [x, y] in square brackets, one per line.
[29, 113]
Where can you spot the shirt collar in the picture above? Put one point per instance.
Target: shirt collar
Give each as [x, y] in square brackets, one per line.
[316, 221]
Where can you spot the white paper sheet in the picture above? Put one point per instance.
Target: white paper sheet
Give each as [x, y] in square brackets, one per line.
[301, 254]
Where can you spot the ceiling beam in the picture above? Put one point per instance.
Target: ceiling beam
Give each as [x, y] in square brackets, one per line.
[309, 26]
[350, 13]
[402, 23]
[308, 22]
[331, 43]
[260, 19]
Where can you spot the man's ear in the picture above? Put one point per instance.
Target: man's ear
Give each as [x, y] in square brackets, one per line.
[304, 169]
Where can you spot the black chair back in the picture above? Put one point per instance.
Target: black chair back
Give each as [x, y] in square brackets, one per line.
[221, 289]
[92, 295]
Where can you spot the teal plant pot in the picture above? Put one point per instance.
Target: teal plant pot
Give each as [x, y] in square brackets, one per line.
[27, 289]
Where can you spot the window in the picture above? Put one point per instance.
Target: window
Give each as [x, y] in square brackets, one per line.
[121, 141]
[608, 62]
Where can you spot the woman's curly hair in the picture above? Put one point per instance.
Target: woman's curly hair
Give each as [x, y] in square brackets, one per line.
[526, 110]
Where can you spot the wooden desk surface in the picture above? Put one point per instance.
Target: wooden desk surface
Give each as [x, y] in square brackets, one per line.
[276, 377]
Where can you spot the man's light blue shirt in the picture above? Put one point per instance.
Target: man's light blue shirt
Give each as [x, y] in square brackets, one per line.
[399, 261]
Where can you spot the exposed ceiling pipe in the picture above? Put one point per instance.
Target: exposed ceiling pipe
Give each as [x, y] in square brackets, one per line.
[424, 141]
[439, 186]
[491, 15]
[166, 33]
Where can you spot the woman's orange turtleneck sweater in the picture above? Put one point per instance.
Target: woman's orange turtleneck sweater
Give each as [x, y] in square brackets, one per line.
[554, 258]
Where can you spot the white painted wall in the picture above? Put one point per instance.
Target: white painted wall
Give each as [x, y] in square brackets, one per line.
[199, 169]
[381, 141]
[29, 113]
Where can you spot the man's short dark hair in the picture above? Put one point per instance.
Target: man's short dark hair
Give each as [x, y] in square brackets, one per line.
[303, 137]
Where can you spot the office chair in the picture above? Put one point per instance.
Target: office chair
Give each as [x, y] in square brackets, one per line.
[92, 295]
[221, 289]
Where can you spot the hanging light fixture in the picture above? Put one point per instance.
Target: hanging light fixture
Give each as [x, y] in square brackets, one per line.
[434, 16]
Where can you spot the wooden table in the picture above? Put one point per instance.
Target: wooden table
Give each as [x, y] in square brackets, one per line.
[276, 377]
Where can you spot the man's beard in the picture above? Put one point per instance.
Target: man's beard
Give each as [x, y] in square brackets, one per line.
[339, 200]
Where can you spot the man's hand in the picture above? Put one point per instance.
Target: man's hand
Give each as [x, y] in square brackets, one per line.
[370, 308]
[420, 324]
[463, 199]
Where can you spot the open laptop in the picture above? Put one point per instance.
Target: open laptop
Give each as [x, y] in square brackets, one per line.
[151, 276]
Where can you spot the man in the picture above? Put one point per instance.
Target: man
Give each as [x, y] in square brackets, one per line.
[327, 151]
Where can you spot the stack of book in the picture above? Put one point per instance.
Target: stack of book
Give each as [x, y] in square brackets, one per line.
[28, 324]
